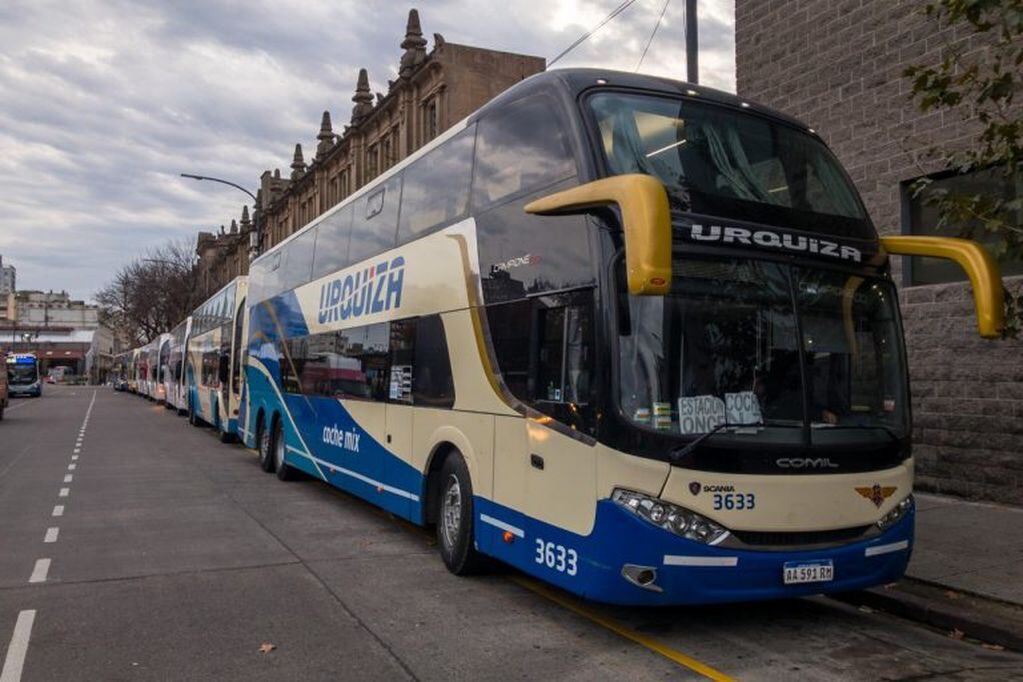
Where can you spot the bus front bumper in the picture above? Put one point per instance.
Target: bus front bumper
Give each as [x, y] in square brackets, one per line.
[686, 571]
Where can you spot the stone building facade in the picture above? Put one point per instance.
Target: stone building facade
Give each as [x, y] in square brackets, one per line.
[837, 65]
[434, 89]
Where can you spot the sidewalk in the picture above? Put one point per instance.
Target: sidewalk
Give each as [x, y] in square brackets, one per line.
[969, 547]
[966, 573]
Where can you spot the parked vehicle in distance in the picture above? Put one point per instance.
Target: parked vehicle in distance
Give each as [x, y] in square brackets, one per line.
[175, 387]
[23, 375]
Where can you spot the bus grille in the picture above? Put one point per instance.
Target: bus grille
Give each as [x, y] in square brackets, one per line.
[812, 537]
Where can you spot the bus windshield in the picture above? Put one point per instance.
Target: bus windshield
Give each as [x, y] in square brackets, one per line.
[728, 164]
[22, 373]
[727, 345]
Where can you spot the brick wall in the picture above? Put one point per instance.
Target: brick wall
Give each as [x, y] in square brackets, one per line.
[837, 65]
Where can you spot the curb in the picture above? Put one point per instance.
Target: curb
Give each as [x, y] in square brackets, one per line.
[989, 621]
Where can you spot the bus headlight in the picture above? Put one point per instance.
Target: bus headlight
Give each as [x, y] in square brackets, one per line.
[896, 514]
[680, 521]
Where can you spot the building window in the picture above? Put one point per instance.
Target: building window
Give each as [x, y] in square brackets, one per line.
[386, 153]
[431, 120]
[372, 167]
[921, 217]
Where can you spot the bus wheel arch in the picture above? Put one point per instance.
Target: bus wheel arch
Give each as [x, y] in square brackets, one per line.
[263, 444]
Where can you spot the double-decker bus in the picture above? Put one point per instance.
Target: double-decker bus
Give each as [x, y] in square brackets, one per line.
[174, 379]
[23, 378]
[149, 356]
[134, 358]
[213, 373]
[635, 337]
[118, 375]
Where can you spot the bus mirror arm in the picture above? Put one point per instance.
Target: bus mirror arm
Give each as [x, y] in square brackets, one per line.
[646, 224]
[984, 273]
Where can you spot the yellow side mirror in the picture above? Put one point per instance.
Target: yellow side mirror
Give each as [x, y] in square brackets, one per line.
[984, 273]
[646, 222]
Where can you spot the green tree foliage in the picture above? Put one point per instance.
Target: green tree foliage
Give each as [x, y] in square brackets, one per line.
[982, 85]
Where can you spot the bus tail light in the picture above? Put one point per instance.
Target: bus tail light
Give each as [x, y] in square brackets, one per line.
[896, 514]
[678, 520]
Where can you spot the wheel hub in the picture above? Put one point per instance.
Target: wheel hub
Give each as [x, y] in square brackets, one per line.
[451, 512]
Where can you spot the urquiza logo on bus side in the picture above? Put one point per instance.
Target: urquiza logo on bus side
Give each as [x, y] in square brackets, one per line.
[371, 290]
[771, 239]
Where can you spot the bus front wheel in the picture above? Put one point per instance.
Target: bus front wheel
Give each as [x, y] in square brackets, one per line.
[455, 518]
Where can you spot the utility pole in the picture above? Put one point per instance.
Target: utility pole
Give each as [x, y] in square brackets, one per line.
[692, 44]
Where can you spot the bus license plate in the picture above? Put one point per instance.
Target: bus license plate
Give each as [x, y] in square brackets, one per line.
[808, 572]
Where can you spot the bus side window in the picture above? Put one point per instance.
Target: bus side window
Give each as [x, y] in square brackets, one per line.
[523, 146]
[331, 253]
[436, 187]
[375, 221]
[432, 382]
[300, 260]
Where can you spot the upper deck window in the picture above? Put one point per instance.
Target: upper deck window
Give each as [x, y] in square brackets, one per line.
[522, 146]
[719, 162]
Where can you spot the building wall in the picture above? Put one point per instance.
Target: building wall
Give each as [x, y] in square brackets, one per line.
[54, 309]
[837, 65]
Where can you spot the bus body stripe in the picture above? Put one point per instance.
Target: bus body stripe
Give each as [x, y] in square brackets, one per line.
[722, 561]
[886, 549]
[355, 474]
[497, 523]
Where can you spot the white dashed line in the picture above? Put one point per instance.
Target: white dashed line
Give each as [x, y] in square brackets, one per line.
[77, 450]
[51, 534]
[58, 510]
[74, 458]
[72, 466]
[68, 478]
[16, 650]
[42, 568]
[64, 492]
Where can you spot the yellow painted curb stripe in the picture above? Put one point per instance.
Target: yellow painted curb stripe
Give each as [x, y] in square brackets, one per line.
[628, 633]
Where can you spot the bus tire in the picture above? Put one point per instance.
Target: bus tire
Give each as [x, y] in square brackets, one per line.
[455, 515]
[193, 419]
[266, 461]
[284, 472]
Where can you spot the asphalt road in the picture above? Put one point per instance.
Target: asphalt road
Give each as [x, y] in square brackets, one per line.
[174, 557]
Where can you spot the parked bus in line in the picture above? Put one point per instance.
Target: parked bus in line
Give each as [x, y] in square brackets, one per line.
[213, 373]
[148, 356]
[23, 377]
[134, 357]
[174, 379]
[118, 376]
[4, 395]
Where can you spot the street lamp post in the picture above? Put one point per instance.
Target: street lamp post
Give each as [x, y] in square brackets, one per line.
[256, 212]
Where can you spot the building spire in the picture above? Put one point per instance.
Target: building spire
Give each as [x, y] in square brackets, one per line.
[325, 137]
[246, 223]
[297, 164]
[363, 99]
[414, 46]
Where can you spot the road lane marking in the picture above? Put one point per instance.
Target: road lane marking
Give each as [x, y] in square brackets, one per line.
[72, 466]
[68, 478]
[74, 458]
[58, 510]
[621, 630]
[77, 450]
[64, 492]
[14, 662]
[51, 534]
[42, 568]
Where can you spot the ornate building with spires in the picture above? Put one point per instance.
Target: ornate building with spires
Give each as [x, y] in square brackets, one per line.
[435, 89]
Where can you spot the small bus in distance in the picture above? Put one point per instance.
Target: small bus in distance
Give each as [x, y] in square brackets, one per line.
[23, 377]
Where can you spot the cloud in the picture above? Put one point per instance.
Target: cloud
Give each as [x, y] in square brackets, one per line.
[104, 102]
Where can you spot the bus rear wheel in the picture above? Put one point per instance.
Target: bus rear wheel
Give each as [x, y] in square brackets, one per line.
[266, 460]
[455, 536]
[285, 472]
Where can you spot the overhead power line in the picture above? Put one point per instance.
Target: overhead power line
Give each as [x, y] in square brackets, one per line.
[581, 39]
[657, 25]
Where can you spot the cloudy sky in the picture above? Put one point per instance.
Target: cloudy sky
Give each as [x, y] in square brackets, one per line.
[104, 102]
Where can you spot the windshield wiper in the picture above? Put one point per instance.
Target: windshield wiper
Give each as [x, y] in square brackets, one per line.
[680, 452]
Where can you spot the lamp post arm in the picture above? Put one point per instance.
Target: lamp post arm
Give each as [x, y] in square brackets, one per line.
[223, 182]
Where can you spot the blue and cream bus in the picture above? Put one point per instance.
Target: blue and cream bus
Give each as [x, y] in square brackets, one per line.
[213, 375]
[23, 377]
[635, 337]
[175, 390]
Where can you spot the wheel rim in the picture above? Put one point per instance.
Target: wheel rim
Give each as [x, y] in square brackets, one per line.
[451, 512]
[279, 451]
